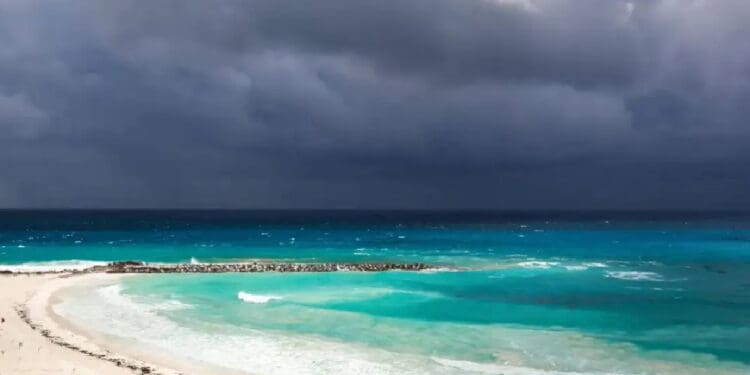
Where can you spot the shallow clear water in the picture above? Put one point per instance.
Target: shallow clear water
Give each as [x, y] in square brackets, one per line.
[636, 293]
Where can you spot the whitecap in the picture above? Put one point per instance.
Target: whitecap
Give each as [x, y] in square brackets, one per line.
[585, 266]
[538, 264]
[255, 298]
[360, 251]
[193, 260]
[635, 275]
[576, 268]
[595, 265]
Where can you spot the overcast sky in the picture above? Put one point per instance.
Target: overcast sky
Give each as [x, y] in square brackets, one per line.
[562, 104]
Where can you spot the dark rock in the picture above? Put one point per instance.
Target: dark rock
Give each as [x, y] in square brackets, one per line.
[138, 267]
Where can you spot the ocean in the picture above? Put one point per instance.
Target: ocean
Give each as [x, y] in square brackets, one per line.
[512, 292]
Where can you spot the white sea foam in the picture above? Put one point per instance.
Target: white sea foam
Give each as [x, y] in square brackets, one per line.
[113, 294]
[51, 266]
[255, 298]
[439, 269]
[171, 305]
[193, 260]
[635, 275]
[468, 367]
[595, 265]
[527, 352]
[669, 289]
[585, 266]
[108, 310]
[484, 368]
[538, 264]
[576, 268]
[360, 251]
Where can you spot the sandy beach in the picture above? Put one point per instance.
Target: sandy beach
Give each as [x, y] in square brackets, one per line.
[25, 350]
[37, 341]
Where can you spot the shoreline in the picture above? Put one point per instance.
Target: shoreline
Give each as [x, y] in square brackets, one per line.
[36, 340]
[24, 349]
[38, 313]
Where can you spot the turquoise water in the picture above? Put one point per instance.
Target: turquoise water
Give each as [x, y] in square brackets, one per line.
[526, 293]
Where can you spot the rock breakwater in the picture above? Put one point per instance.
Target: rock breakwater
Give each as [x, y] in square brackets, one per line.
[140, 267]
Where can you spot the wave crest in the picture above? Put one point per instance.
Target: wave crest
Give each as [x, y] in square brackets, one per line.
[635, 275]
[255, 298]
[538, 264]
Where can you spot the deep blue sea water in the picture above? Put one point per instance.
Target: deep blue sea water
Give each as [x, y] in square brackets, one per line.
[526, 293]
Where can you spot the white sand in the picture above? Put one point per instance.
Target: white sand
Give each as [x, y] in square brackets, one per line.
[24, 350]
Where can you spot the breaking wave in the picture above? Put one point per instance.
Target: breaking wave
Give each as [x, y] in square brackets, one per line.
[255, 298]
[538, 264]
[635, 275]
[110, 311]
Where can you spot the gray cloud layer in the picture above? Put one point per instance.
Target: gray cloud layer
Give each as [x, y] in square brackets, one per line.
[360, 103]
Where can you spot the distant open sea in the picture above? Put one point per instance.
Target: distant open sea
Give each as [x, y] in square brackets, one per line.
[521, 292]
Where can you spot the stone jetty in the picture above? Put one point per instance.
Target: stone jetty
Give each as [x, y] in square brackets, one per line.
[140, 267]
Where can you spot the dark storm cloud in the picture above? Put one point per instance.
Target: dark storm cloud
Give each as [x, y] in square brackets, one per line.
[584, 42]
[349, 103]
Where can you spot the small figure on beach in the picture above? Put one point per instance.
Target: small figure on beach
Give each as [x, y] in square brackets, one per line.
[2, 320]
